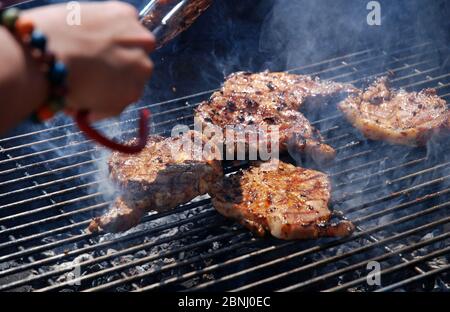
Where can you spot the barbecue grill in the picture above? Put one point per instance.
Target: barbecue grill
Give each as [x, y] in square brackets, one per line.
[51, 185]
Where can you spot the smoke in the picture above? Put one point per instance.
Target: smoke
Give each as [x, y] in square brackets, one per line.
[301, 32]
[59, 145]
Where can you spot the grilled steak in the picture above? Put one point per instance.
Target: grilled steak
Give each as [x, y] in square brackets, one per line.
[168, 172]
[396, 116]
[254, 118]
[289, 202]
[253, 102]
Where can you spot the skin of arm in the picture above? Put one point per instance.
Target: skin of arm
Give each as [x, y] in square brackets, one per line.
[23, 87]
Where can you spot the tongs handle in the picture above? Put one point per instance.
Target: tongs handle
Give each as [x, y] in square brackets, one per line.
[168, 18]
[82, 121]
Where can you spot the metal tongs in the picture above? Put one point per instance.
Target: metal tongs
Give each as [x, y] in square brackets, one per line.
[166, 19]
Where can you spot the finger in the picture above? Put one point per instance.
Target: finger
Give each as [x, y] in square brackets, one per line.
[121, 9]
[141, 65]
[145, 68]
[138, 37]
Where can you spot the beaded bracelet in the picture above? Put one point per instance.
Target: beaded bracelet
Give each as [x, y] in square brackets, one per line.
[36, 42]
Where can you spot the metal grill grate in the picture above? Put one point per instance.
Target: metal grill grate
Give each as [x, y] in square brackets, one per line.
[399, 198]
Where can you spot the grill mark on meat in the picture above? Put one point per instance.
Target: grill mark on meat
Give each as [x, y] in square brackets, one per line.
[251, 104]
[289, 202]
[231, 106]
[271, 120]
[396, 116]
[270, 86]
[157, 179]
[281, 106]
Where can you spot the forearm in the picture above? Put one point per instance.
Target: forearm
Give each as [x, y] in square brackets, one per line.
[23, 87]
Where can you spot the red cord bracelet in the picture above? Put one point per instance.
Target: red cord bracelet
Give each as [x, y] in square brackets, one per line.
[82, 121]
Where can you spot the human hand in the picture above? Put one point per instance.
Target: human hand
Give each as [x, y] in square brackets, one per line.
[107, 55]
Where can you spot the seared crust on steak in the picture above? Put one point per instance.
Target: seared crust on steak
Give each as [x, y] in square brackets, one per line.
[254, 102]
[289, 202]
[121, 216]
[295, 132]
[396, 116]
[165, 174]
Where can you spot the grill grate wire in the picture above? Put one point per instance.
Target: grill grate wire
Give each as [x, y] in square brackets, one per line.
[50, 188]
